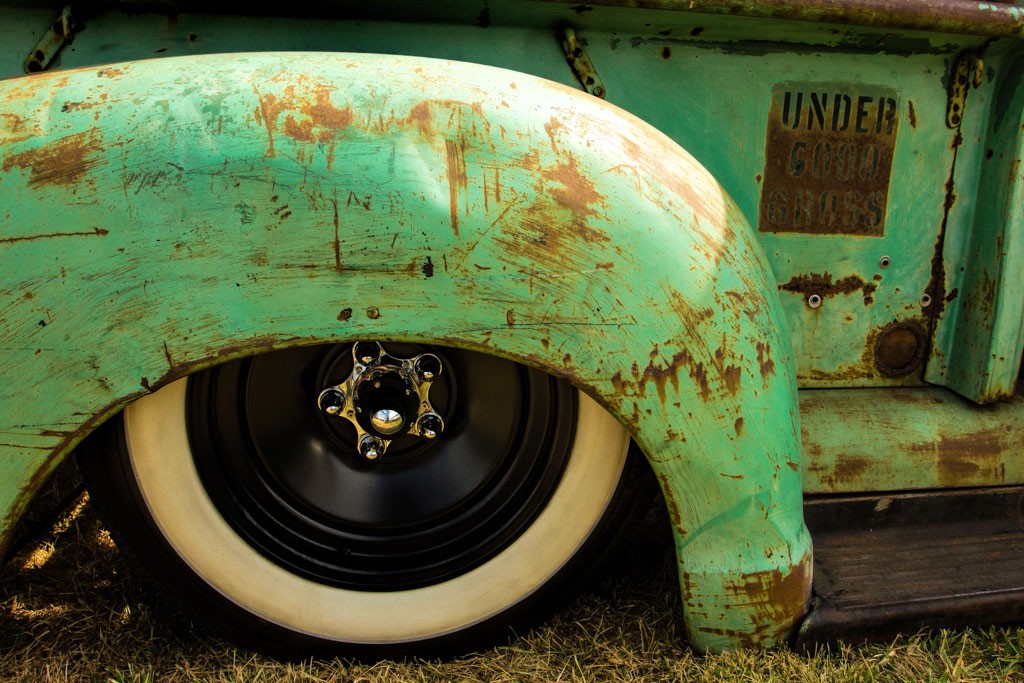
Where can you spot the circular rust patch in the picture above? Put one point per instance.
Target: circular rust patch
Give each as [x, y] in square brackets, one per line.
[900, 349]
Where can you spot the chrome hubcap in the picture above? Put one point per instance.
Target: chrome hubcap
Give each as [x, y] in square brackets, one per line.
[385, 397]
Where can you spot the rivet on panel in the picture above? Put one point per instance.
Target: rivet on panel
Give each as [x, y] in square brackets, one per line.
[926, 300]
[814, 300]
[884, 262]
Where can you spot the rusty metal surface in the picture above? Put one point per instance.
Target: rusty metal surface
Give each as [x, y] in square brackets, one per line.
[997, 19]
[853, 245]
[828, 159]
[891, 563]
[979, 340]
[908, 439]
[582, 67]
[60, 33]
[194, 210]
[900, 349]
[1001, 19]
[707, 82]
[967, 71]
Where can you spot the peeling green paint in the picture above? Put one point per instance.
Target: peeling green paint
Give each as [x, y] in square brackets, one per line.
[180, 233]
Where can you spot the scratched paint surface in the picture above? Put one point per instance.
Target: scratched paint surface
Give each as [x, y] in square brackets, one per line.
[834, 343]
[979, 337]
[162, 216]
[685, 57]
[933, 439]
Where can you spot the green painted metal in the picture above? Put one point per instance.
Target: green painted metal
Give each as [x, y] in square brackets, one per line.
[684, 59]
[979, 339]
[175, 170]
[162, 216]
[725, 128]
[908, 439]
[998, 19]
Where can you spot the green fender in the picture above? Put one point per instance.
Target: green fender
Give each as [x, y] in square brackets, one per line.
[163, 216]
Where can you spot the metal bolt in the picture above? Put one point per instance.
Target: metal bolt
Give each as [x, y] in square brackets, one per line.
[814, 300]
[366, 352]
[371, 448]
[331, 401]
[429, 366]
[430, 426]
[884, 262]
[926, 300]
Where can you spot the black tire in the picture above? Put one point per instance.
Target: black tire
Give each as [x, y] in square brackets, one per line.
[208, 482]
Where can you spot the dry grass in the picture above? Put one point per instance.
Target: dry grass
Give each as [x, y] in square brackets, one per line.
[73, 609]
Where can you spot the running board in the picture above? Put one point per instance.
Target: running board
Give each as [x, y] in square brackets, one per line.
[885, 564]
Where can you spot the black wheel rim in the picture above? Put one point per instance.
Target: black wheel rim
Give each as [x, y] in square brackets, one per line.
[289, 480]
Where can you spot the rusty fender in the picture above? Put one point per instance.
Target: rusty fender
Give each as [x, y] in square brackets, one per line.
[163, 216]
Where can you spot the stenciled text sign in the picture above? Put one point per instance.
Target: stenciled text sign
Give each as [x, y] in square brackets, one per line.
[828, 159]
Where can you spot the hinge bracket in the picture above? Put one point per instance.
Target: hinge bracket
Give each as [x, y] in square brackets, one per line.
[968, 71]
[581, 65]
[60, 33]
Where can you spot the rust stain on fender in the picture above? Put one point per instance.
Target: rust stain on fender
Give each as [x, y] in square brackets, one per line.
[710, 210]
[777, 599]
[13, 124]
[455, 158]
[765, 361]
[781, 598]
[324, 115]
[312, 117]
[553, 128]
[420, 115]
[301, 132]
[662, 374]
[576, 194]
[95, 232]
[730, 373]
[65, 161]
[466, 117]
[672, 504]
[727, 375]
[266, 114]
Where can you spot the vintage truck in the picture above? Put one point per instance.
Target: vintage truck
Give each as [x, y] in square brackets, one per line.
[351, 313]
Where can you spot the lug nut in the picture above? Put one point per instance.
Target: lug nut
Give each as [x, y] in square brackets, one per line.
[366, 352]
[430, 426]
[331, 401]
[371, 448]
[428, 366]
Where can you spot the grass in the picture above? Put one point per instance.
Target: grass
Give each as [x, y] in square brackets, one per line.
[73, 609]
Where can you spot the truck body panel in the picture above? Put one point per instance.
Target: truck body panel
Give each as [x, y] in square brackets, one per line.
[849, 223]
